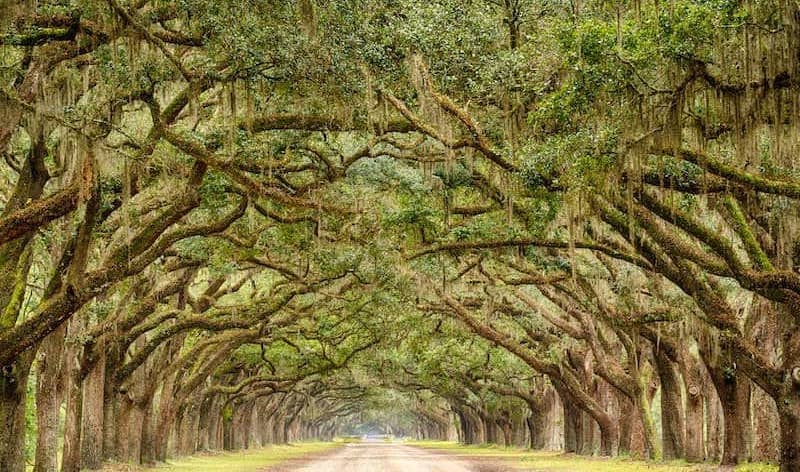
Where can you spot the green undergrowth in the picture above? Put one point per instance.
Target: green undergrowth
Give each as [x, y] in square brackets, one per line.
[757, 467]
[547, 461]
[239, 461]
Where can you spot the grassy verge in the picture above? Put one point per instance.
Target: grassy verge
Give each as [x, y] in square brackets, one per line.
[543, 461]
[250, 460]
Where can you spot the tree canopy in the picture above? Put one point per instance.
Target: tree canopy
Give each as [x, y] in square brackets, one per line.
[566, 225]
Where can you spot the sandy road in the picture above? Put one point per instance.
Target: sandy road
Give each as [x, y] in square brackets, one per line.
[387, 457]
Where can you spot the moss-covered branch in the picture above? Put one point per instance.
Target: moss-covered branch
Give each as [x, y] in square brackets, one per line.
[787, 187]
[532, 242]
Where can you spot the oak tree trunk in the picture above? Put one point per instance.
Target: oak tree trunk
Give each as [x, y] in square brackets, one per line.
[732, 388]
[790, 429]
[573, 435]
[48, 401]
[71, 455]
[672, 417]
[13, 395]
[625, 423]
[93, 409]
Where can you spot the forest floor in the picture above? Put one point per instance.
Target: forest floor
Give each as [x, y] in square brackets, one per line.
[322, 456]
[250, 460]
[544, 461]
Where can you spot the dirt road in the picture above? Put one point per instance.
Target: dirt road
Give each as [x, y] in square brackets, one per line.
[387, 457]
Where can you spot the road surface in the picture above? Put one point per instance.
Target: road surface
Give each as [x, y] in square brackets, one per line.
[388, 457]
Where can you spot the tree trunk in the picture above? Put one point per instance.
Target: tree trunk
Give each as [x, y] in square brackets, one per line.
[672, 417]
[506, 427]
[554, 437]
[123, 429]
[110, 414]
[536, 426]
[148, 454]
[237, 428]
[93, 409]
[648, 426]
[13, 396]
[227, 433]
[625, 423]
[48, 401]
[713, 419]
[71, 455]
[166, 419]
[573, 434]
[214, 417]
[609, 438]
[765, 325]
[744, 436]
[487, 424]
[194, 429]
[637, 444]
[183, 441]
[588, 434]
[465, 430]
[766, 427]
[287, 430]
[693, 380]
[473, 432]
[790, 429]
[279, 430]
[731, 388]
[15, 262]
[248, 426]
[203, 423]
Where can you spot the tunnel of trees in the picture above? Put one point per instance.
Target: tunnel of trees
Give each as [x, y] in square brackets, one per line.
[567, 225]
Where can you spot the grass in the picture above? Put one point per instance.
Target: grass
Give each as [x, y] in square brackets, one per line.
[757, 467]
[250, 460]
[544, 461]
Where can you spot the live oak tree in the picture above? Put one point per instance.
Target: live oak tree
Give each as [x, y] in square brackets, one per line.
[232, 223]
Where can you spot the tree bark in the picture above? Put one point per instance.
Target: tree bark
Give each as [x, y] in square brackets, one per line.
[110, 415]
[71, 455]
[465, 429]
[625, 423]
[490, 429]
[714, 421]
[48, 401]
[183, 441]
[93, 409]
[123, 429]
[227, 432]
[672, 417]
[588, 434]
[573, 434]
[764, 325]
[15, 263]
[732, 387]
[536, 426]
[203, 423]
[214, 416]
[790, 429]
[692, 371]
[648, 427]
[148, 446]
[166, 418]
[13, 395]
[506, 427]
